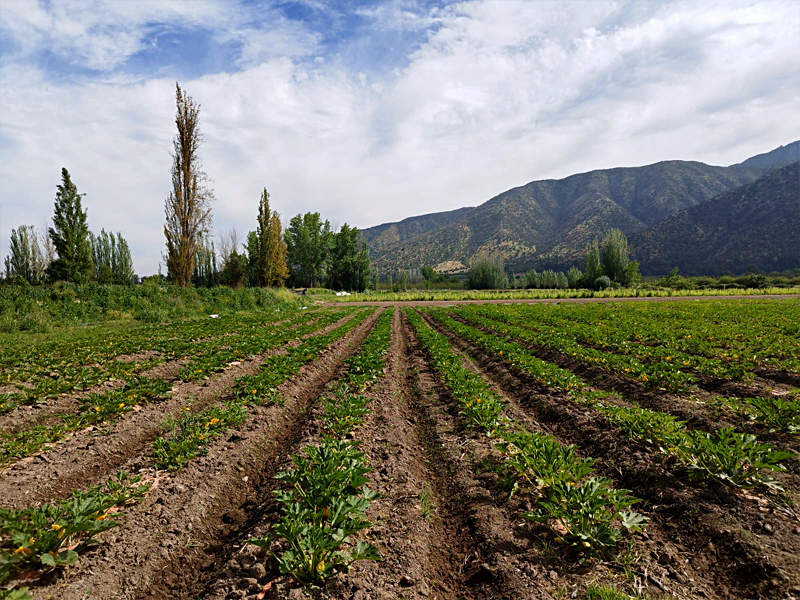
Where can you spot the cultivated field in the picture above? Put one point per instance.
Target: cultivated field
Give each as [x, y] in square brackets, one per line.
[628, 449]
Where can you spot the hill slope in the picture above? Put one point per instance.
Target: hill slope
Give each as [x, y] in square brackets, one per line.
[753, 226]
[780, 157]
[547, 223]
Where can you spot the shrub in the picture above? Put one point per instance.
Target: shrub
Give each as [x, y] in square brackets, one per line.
[602, 283]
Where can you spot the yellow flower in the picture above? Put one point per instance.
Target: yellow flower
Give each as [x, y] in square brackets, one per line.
[213, 421]
[55, 526]
[101, 517]
[96, 409]
[121, 405]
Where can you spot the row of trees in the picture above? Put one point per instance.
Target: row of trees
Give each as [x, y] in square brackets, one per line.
[68, 251]
[308, 253]
[605, 264]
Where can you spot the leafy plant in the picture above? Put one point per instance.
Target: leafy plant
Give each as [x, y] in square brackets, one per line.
[53, 534]
[583, 515]
[734, 459]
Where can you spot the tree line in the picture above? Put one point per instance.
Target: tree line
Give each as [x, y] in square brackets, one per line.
[606, 264]
[308, 253]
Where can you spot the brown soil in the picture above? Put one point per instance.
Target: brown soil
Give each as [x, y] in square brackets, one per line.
[719, 542]
[170, 544]
[94, 454]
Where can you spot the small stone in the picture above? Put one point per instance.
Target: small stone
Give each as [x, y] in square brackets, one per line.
[258, 571]
[406, 581]
[768, 529]
[553, 576]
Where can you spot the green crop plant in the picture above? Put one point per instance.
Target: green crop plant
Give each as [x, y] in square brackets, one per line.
[583, 515]
[54, 534]
[776, 413]
[191, 434]
[540, 460]
[323, 507]
[734, 459]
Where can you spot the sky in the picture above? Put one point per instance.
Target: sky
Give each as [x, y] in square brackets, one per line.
[370, 112]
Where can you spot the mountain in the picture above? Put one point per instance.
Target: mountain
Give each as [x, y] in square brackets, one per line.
[780, 157]
[546, 224]
[755, 226]
[383, 236]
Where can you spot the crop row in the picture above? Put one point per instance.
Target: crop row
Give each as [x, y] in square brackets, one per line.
[734, 336]
[664, 368]
[102, 408]
[52, 535]
[582, 511]
[43, 371]
[657, 365]
[731, 458]
[191, 434]
[664, 375]
[326, 497]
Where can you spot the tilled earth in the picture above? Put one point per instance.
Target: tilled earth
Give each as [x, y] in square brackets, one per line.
[444, 525]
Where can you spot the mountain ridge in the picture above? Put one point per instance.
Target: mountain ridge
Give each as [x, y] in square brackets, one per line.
[546, 223]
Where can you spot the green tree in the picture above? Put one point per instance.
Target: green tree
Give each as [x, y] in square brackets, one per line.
[308, 242]
[267, 248]
[574, 277]
[614, 256]
[487, 273]
[187, 208]
[25, 257]
[70, 235]
[111, 258]
[349, 262]
[205, 272]
[591, 264]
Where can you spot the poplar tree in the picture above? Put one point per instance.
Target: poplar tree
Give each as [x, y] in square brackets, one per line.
[25, 258]
[70, 235]
[111, 257]
[277, 253]
[266, 248]
[188, 208]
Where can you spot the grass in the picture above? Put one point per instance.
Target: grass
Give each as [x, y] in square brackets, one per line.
[455, 295]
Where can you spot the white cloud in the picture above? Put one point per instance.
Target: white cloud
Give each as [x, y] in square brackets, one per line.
[492, 95]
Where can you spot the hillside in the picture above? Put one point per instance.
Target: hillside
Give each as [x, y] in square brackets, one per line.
[780, 157]
[753, 226]
[547, 223]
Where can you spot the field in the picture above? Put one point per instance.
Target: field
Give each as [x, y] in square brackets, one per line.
[555, 450]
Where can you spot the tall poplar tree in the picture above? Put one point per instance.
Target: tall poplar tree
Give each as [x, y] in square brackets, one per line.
[25, 258]
[277, 253]
[188, 208]
[266, 247]
[70, 235]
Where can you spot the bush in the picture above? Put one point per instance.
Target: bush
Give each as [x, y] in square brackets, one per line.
[602, 283]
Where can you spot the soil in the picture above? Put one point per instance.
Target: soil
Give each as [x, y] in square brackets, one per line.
[725, 544]
[444, 525]
[169, 544]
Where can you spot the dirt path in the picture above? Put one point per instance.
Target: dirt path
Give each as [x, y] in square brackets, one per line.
[399, 303]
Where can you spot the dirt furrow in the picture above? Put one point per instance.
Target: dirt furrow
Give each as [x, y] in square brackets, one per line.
[720, 541]
[496, 561]
[169, 545]
[92, 455]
